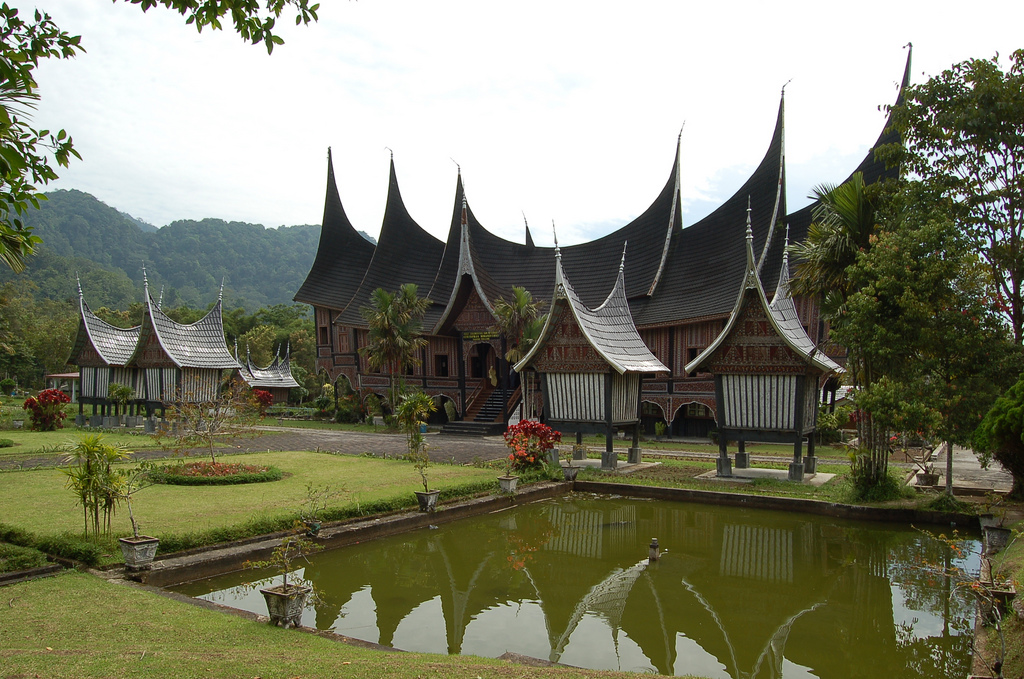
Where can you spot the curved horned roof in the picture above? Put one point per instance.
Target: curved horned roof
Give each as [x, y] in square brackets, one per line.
[608, 328]
[113, 345]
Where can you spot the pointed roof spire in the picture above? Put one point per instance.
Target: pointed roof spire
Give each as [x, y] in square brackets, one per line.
[145, 279]
[906, 70]
[220, 296]
[622, 262]
[558, 251]
[160, 302]
[529, 238]
[79, 280]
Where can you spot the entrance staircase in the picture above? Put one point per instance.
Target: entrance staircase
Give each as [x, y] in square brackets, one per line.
[484, 415]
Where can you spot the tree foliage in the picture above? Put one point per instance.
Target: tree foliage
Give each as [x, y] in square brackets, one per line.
[922, 321]
[26, 152]
[963, 138]
[253, 20]
[1001, 435]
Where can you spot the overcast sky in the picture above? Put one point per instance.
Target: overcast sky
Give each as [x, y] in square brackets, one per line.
[562, 111]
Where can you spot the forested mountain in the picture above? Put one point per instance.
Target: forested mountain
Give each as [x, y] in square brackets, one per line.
[186, 259]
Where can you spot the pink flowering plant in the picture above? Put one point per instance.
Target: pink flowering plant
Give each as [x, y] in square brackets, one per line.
[530, 443]
[46, 411]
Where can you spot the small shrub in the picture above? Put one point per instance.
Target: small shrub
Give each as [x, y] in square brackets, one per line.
[6, 443]
[530, 443]
[7, 385]
[15, 558]
[660, 428]
[71, 547]
[865, 489]
[16, 536]
[264, 399]
[46, 411]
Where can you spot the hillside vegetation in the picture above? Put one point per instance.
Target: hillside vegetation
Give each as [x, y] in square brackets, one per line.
[186, 259]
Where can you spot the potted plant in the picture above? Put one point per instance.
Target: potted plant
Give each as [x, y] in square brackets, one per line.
[413, 410]
[138, 550]
[569, 471]
[508, 482]
[995, 535]
[286, 601]
[316, 501]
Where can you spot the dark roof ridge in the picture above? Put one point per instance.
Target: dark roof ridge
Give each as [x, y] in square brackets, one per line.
[342, 255]
[405, 251]
[780, 195]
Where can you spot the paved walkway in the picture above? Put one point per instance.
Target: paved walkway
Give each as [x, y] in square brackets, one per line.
[968, 476]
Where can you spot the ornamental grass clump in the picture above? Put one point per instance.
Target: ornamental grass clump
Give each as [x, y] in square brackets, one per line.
[46, 411]
[530, 443]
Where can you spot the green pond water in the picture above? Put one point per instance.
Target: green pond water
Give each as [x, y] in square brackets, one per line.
[736, 593]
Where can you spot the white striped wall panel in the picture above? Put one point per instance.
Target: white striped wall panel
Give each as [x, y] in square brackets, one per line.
[576, 396]
[625, 397]
[759, 401]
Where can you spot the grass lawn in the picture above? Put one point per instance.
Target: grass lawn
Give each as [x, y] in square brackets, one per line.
[77, 625]
[37, 501]
[34, 443]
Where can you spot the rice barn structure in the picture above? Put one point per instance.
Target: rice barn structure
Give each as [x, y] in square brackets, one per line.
[161, 361]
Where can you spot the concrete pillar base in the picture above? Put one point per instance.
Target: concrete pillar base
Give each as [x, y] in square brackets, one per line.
[810, 464]
[609, 461]
[634, 455]
[742, 460]
[724, 466]
[796, 471]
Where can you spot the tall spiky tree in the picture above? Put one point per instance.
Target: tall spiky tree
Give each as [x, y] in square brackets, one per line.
[844, 226]
[394, 321]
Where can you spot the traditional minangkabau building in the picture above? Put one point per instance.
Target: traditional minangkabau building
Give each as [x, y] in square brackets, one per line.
[680, 285]
[161, 360]
[276, 378]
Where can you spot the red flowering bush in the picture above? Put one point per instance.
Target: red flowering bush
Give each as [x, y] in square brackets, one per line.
[264, 399]
[530, 443]
[46, 411]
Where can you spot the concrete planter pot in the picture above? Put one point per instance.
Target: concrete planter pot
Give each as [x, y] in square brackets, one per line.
[570, 472]
[927, 479]
[427, 500]
[995, 538]
[508, 484]
[285, 604]
[138, 552]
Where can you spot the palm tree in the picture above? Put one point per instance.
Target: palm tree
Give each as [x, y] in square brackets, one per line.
[519, 321]
[844, 222]
[394, 323]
